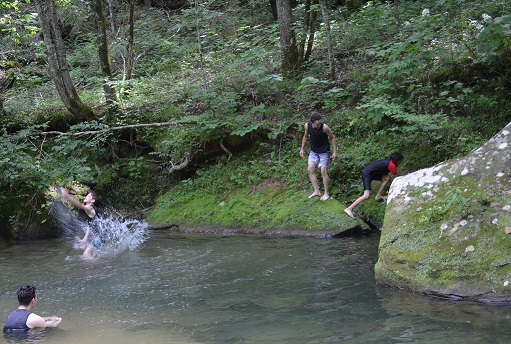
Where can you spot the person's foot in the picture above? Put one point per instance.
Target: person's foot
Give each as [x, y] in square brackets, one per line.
[314, 195]
[380, 198]
[349, 212]
[325, 197]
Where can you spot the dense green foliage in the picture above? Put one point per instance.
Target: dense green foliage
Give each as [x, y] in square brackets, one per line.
[434, 85]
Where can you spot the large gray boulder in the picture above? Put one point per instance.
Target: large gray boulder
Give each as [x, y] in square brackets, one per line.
[445, 231]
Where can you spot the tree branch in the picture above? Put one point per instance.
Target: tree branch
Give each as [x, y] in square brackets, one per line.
[221, 143]
[107, 130]
[182, 164]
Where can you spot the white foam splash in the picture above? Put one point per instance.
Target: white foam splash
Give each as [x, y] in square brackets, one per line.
[118, 235]
[115, 233]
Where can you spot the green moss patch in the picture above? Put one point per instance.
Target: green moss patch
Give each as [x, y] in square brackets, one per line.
[272, 208]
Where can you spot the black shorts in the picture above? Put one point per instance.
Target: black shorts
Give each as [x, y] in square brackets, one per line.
[368, 179]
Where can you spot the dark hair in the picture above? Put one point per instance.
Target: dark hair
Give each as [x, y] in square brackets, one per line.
[26, 294]
[315, 118]
[95, 195]
[396, 157]
[97, 198]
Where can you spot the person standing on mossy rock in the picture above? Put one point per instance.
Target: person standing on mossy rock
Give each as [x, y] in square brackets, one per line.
[319, 155]
[378, 170]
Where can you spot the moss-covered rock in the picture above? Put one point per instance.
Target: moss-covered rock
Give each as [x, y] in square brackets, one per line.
[444, 231]
[267, 208]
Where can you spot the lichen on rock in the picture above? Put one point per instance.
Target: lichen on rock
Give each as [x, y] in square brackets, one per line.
[444, 228]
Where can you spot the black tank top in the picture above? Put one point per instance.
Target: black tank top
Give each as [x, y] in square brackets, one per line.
[82, 215]
[17, 320]
[319, 140]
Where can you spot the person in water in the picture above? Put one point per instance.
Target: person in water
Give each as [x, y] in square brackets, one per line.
[87, 212]
[378, 170]
[22, 319]
[319, 155]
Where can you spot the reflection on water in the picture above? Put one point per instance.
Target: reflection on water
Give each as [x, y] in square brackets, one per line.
[189, 288]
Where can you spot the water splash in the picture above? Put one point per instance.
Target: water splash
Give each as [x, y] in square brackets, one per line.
[117, 234]
[114, 233]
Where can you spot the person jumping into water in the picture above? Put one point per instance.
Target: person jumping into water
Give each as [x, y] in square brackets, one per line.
[87, 213]
[378, 170]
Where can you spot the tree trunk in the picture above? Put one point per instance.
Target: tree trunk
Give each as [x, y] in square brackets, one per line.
[57, 62]
[130, 63]
[312, 31]
[305, 30]
[289, 50]
[147, 5]
[199, 42]
[7, 79]
[273, 6]
[396, 13]
[111, 12]
[104, 58]
[328, 36]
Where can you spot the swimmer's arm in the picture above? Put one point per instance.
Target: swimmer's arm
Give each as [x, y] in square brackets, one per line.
[52, 321]
[35, 321]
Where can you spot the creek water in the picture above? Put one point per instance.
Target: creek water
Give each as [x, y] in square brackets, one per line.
[191, 288]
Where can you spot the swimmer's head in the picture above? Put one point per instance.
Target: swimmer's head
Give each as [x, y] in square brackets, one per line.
[26, 294]
[92, 197]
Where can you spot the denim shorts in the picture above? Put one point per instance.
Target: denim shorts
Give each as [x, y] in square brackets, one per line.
[319, 159]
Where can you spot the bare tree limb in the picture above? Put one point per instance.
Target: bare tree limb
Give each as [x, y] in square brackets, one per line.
[182, 164]
[107, 130]
[221, 143]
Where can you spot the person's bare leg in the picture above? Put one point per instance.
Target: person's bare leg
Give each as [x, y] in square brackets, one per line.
[326, 181]
[85, 238]
[384, 181]
[349, 210]
[314, 180]
[88, 252]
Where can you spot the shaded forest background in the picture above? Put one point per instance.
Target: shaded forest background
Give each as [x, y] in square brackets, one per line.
[163, 102]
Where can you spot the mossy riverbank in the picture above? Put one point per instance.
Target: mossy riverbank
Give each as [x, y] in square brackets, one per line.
[268, 208]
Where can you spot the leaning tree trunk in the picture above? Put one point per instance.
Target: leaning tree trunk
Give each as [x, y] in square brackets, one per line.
[311, 33]
[328, 36]
[289, 50]
[57, 62]
[104, 58]
[307, 37]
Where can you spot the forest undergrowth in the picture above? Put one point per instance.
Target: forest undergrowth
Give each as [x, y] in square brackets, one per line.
[430, 79]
